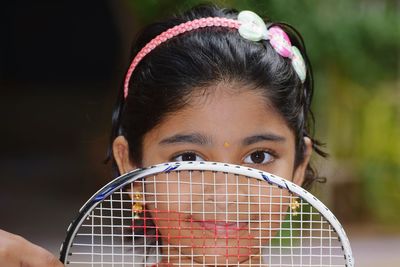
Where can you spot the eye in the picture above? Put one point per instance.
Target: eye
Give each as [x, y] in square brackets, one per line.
[258, 157]
[188, 156]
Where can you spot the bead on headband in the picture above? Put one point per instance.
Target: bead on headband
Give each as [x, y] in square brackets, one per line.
[249, 25]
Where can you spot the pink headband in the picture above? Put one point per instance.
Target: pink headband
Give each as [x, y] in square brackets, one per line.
[250, 26]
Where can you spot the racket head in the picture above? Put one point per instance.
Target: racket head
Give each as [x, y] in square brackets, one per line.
[204, 213]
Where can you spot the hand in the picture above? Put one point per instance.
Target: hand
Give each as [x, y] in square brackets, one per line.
[16, 251]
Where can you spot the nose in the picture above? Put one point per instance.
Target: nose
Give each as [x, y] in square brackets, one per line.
[223, 191]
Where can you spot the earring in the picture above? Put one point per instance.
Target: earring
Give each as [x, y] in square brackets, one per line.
[137, 207]
[294, 206]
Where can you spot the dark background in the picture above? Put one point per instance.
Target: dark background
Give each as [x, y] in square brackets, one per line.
[61, 66]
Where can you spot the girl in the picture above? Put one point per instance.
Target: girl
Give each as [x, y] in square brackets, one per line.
[222, 86]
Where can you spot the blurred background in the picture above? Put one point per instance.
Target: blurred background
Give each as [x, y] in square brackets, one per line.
[62, 62]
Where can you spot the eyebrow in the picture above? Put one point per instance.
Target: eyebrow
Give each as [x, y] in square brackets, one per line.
[262, 137]
[193, 138]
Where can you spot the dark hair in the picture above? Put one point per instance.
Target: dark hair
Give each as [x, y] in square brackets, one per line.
[186, 65]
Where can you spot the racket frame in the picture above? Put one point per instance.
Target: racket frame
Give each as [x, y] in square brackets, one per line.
[272, 179]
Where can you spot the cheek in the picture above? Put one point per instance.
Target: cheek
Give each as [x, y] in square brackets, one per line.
[168, 198]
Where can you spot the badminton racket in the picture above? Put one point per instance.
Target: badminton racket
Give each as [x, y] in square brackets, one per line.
[204, 214]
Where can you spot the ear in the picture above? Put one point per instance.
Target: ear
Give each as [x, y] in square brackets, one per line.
[299, 173]
[121, 155]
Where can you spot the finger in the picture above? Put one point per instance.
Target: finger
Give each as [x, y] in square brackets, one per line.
[16, 251]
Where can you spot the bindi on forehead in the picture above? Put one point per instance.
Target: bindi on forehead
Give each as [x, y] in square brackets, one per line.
[226, 144]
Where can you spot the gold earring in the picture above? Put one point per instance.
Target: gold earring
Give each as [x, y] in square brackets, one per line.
[226, 144]
[137, 207]
[294, 206]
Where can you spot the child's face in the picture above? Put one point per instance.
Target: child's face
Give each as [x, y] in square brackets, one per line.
[236, 128]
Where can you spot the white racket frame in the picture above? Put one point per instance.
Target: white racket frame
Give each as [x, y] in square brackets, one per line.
[134, 175]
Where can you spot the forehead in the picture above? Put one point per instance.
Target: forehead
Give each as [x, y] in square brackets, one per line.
[224, 114]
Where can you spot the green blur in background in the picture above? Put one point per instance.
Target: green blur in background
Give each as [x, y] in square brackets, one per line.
[354, 48]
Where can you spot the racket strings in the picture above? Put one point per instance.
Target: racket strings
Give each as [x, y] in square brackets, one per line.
[197, 218]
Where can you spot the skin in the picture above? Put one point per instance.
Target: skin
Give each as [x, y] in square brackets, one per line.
[16, 251]
[262, 140]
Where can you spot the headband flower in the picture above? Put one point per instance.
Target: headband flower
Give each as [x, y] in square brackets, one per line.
[253, 28]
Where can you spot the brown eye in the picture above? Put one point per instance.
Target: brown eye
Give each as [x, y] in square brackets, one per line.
[258, 157]
[188, 156]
